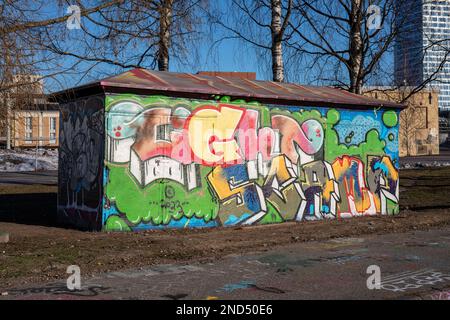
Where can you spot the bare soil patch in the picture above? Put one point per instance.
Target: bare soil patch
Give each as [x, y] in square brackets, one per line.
[38, 253]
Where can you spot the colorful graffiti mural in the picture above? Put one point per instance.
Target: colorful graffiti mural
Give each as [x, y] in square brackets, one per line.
[173, 162]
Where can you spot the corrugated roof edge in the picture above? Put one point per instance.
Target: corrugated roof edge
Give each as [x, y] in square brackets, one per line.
[142, 81]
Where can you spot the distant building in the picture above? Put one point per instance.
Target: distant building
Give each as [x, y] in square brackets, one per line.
[37, 126]
[419, 123]
[423, 23]
[33, 120]
[28, 84]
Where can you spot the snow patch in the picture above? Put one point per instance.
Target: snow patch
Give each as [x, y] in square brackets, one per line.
[28, 160]
[430, 164]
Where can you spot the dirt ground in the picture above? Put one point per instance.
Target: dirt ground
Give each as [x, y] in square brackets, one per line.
[425, 188]
[38, 253]
[8, 189]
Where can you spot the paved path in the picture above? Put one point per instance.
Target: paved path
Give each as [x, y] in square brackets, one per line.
[414, 265]
[39, 177]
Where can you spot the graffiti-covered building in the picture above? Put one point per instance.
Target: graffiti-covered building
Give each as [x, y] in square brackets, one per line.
[147, 149]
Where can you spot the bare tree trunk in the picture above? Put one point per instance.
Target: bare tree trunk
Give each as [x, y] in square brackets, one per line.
[165, 21]
[8, 79]
[8, 125]
[356, 47]
[277, 49]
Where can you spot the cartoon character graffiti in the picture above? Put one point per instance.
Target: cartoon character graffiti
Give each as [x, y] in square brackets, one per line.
[121, 129]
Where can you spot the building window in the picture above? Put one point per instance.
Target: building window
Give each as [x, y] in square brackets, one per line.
[28, 129]
[52, 130]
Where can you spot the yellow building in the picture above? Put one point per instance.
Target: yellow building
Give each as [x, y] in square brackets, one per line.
[419, 122]
[29, 119]
[36, 127]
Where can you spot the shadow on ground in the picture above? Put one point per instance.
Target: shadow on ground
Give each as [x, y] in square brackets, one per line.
[35, 204]
[29, 208]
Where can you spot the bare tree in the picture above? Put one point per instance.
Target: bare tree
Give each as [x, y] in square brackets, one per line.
[345, 40]
[165, 21]
[410, 120]
[23, 53]
[117, 33]
[22, 37]
[261, 24]
[278, 27]
[415, 81]
[349, 43]
[438, 74]
[135, 33]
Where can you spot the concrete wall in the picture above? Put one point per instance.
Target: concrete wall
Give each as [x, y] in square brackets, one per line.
[172, 162]
[419, 122]
[81, 154]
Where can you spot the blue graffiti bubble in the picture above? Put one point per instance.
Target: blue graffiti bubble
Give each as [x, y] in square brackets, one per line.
[122, 121]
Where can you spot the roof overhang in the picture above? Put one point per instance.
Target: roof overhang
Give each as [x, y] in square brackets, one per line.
[145, 82]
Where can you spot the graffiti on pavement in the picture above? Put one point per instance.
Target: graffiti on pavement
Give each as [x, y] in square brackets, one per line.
[91, 291]
[413, 280]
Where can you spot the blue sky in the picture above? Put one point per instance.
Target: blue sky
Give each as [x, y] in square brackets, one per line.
[227, 55]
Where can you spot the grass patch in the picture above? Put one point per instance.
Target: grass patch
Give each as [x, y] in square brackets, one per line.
[23, 189]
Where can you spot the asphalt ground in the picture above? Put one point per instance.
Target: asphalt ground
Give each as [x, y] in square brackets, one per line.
[412, 265]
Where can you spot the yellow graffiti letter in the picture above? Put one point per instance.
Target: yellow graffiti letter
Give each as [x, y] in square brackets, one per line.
[211, 134]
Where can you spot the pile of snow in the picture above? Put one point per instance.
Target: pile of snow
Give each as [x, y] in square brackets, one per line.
[28, 160]
[429, 164]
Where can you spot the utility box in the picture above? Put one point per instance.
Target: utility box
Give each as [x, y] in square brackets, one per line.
[153, 150]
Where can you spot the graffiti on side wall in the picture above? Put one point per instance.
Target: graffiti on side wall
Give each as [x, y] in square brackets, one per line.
[80, 163]
[195, 163]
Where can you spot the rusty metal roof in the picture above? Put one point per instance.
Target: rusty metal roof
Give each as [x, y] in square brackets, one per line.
[144, 81]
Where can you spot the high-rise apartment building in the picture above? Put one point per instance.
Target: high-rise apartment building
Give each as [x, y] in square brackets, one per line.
[422, 45]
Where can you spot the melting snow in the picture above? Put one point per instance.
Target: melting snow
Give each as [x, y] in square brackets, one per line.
[28, 160]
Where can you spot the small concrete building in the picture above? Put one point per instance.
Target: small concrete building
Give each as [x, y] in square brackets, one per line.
[151, 150]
